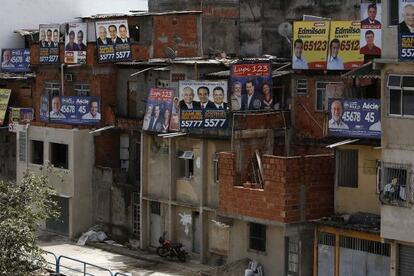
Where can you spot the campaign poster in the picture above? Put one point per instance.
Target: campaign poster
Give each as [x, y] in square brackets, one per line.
[4, 101]
[112, 40]
[49, 43]
[20, 115]
[175, 115]
[406, 30]
[310, 44]
[370, 39]
[359, 118]
[251, 87]
[203, 104]
[15, 60]
[75, 43]
[158, 113]
[344, 46]
[71, 110]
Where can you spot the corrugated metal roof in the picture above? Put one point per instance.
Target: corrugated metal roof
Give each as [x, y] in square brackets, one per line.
[166, 61]
[24, 32]
[366, 71]
[134, 14]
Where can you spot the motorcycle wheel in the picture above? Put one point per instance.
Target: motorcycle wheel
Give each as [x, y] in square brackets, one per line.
[162, 252]
[181, 256]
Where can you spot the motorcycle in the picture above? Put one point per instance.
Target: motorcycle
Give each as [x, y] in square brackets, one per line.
[168, 248]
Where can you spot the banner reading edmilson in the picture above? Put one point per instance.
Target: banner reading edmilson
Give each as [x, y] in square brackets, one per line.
[158, 114]
[310, 44]
[4, 101]
[203, 104]
[75, 43]
[344, 46]
[112, 40]
[49, 43]
[406, 30]
[251, 87]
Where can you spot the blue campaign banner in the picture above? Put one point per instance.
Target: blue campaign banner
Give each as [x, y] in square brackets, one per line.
[405, 33]
[15, 60]
[44, 108]
[71, 110]
[359, 118]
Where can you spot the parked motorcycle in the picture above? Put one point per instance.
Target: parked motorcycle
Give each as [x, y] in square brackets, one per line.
[168, 248]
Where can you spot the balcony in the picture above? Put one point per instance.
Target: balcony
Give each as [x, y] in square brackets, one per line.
[294, 189]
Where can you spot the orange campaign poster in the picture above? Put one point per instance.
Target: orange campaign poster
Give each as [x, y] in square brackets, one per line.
[310, 44]
[344, 50]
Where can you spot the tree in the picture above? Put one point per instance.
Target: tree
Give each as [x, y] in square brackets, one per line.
[23, 206]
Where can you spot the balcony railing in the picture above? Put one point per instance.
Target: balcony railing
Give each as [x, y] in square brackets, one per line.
[395, 185]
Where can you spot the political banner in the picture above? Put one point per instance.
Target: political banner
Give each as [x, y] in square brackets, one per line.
[70, 110]
[370, 39]
[406, 30]
[310, 44]
[158, 113]
[251, 85]
[49, 43]
[75, 43]
[359, 118]
[112, 40]
[203, 104]
[15, 60]
[344, 46]
[4, 101]
[175, 115]
[20, 115]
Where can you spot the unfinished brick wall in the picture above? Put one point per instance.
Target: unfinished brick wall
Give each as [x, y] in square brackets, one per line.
[285, 178]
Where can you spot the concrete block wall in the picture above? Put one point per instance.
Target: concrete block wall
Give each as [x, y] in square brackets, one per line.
[295, 189]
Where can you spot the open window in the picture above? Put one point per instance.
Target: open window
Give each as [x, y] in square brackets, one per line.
[59, 155]
[257, 237]
[216, 167]
[347, 168]
[36, 156]
[186, 164]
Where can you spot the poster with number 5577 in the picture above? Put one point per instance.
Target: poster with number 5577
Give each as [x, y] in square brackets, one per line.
[406, 30]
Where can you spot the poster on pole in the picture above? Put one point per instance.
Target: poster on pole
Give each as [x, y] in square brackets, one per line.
[370, 39]
[310, 44]
[4, 101]
[344, 46]
[406, 30]
[251, 86]
[158, 113]
[359, 118]
[112, 40]
[75, 43]
[49, 43]
[203, 104]
[15, 60]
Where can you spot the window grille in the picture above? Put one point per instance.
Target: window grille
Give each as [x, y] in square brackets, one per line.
[396, 185]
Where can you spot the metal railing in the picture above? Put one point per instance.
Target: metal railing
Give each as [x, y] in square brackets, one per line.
[80, 266]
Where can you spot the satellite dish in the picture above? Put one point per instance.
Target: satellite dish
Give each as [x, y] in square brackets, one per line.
[285, 29]
[171, 54]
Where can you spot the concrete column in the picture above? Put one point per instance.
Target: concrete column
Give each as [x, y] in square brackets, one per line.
[172, 150]
[393, 259]
[203, 202]
[144, 220]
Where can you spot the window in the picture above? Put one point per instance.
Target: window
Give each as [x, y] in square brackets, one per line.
[216, 167]
[257, 237]
[52, 88]
[347, 168]
[293, 256]
[401, 95]
[22, 146]
[186, 164]
[82, 90]
[395, 188]
[301, 87]
[37, 152]
[134, 33]
[321, 97]
[59, 155]
[405, 259]
[393, 8]
[155, 207]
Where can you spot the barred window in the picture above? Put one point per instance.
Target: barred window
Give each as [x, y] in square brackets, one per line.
[395, 186]
[257, 237]
[82, 89]
[52, 88]
[347, 168]
[302, 87]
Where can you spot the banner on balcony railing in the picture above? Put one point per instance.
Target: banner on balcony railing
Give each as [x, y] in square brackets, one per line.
[70, 110]
[49, 43]
[251, 85]
[360, 118]
[158, 114]
[370, 39]
[4, 101]
[112, 40]
[75, 42]
[406, 30]
[203, 104]
[15, 60]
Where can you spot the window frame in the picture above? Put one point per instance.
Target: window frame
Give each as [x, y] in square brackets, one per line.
[216, 169]
[324, 104]
[80, 88]
[305, 88]
[51, 155]
[188, 158]
[263, 239]
[338, 167]
[401, 88]
[391, 6]
[52, 88]
[32, 142]
[289, 252]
